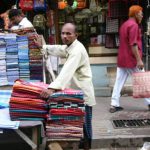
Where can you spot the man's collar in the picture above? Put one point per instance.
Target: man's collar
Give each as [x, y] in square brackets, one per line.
[22, 21]
[68, 49]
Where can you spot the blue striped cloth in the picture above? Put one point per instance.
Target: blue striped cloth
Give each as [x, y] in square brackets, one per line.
[5, 97]
[22, 38]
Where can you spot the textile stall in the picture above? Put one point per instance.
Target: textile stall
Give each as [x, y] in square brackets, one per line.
[15, 65]
[63, 114]
[20, 59]
[65, 119]
[10, 131]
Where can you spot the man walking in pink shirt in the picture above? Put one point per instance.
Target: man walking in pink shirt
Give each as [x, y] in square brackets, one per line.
[129, 54]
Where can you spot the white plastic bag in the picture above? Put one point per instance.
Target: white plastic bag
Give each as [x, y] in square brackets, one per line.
[146, 146]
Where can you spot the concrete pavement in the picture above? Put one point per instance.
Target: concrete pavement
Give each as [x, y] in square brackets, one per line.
[105, 136]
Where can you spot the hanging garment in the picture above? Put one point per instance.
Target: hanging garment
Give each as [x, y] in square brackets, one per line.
[93, 5]
[26, 5]
[117, 8]
[112, 25]
[39, 21]
[52, 4]
[39, 5]
[110, 41]
[81, 4]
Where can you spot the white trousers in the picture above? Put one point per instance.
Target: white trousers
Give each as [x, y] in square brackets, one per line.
[122, 75]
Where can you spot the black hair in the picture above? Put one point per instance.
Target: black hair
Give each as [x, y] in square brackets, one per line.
[14, 12]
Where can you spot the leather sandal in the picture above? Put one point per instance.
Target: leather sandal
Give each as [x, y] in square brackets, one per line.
[114, 109]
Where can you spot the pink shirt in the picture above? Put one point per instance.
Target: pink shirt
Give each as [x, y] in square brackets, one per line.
[130, 34]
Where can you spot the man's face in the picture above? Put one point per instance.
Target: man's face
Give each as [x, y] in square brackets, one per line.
[139, 17]
[15, 20]
[68, 34]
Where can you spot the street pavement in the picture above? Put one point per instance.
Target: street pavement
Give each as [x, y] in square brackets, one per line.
[107, 137]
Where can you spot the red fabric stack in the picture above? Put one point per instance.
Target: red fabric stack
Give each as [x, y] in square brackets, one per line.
[25, 101]
[66, 114]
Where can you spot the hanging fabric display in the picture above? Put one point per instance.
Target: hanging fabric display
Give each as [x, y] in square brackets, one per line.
[112, 25]
[50, 18]
[52, 4]
[39, 21]
[62, 4]
[39, 5]
[93, 5]
[110, 41]
[26, 5]
[117, 8]
[81, 4]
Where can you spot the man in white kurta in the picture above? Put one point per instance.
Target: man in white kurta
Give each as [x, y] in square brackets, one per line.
[76, 67]
[18, 20]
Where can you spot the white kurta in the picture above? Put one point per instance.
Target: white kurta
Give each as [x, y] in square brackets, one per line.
[24, 23]
[76, 67]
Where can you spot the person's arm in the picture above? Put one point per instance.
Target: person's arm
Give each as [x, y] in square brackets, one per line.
[133, 35]
[136, 54]
[65, 75]
[55, 50]
[67, 72]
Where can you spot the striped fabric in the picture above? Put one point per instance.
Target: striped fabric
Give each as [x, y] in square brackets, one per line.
[66, 114]
[64, 129]
[25, 102]
[5, 97]
[112, 25]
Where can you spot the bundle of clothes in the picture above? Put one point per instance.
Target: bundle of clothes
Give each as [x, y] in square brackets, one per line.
[66, 114]
[26, 103]
[63, 113]
[35, 56]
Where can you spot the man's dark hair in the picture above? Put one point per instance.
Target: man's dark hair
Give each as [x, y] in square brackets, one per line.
[14, 12]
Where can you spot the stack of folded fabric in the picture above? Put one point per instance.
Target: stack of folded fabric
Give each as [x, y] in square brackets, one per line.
[5, 121]
[25, 101]
[23, 54]
[35, 56]
[36, 63]
[4, 98]
[3, 75]
[12, 58]
[66, 114]
[15, 62]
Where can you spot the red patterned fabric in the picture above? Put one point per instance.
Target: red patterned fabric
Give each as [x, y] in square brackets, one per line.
[22, 107]
[26, 5]
[67, 112]
[25, 101]
[65, 99]
[17, 94]
[141, 84]
[28, 87]
[23, 114]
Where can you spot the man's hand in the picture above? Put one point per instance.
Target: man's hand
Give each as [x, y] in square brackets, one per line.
[46, 93]
[140, 64]
[38, 41]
